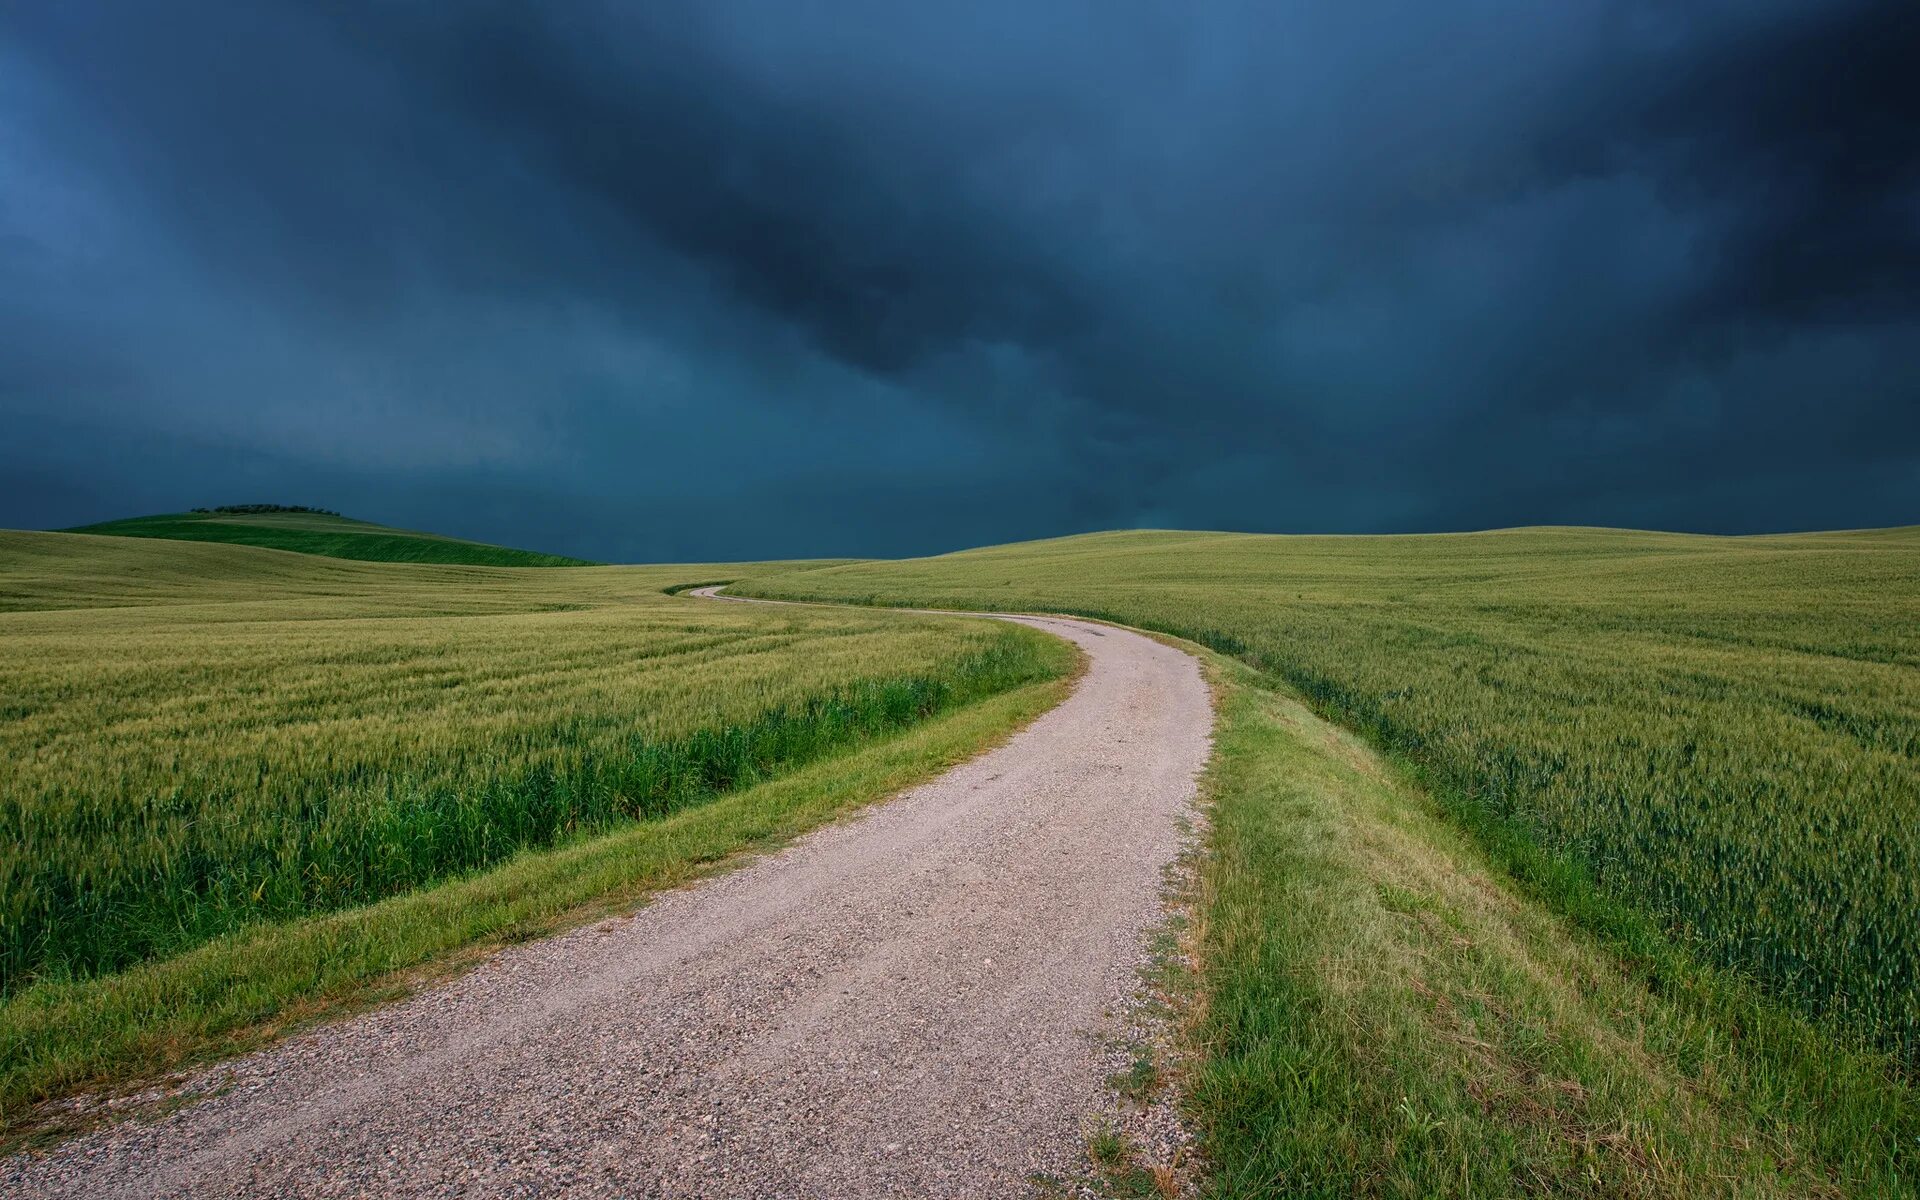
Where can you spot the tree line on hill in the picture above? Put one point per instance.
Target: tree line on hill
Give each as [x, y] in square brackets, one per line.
[267, 508]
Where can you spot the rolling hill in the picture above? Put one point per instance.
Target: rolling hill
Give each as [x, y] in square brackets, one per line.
[328, 535]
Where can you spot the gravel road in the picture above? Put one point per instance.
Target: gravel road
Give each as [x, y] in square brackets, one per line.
[902, 1004]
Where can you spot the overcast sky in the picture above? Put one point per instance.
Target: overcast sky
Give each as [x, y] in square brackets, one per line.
[725, 280]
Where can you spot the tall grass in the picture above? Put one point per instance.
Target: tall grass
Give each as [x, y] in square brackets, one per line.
[234, 749]
[1723, 733]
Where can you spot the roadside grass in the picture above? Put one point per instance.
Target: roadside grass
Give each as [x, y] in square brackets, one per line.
[325, 534]
[57, 1039]
[1387, 1012]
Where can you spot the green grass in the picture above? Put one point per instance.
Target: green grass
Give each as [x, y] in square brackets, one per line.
[1389, 1012]
[325, 534]
[1680, 774]
[1540, 862]
[211, 744]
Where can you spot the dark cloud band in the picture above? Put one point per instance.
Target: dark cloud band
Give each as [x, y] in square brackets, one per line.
[924, 278]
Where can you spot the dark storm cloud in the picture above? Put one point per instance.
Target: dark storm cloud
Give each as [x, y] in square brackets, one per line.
[1802, 130]
[711, 280]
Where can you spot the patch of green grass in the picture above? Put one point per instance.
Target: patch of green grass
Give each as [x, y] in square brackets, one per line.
[57, 1038]
[1141, 1078]
[1119, 1168]
[325, 534]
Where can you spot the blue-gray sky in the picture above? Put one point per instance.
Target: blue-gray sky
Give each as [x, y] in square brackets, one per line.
[718, 280]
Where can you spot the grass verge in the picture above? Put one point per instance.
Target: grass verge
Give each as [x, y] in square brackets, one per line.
[1392, 1006]
[59, 1039]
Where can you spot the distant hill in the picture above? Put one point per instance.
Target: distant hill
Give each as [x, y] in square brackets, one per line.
[314, 532]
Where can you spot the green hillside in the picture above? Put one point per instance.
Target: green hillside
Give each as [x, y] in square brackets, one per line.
[1613, 893]
[325, 534]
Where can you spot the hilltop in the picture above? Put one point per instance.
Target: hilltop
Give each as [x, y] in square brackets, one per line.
[324, 533]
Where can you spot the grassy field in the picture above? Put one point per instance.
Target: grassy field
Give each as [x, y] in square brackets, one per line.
[1541, 862]
[213, 747]
[1385, 1011]
[325, 534]
[1701, 751]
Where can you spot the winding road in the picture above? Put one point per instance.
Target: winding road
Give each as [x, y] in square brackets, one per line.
[906, 1003]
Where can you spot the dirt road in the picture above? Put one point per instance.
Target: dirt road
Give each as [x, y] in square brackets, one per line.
[899, 1005]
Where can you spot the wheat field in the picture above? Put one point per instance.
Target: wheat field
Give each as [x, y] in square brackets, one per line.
[203, 737]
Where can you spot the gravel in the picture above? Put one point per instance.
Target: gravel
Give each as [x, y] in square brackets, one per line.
[907, 1003]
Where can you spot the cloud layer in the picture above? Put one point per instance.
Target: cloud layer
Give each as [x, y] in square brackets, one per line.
[702, 281]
